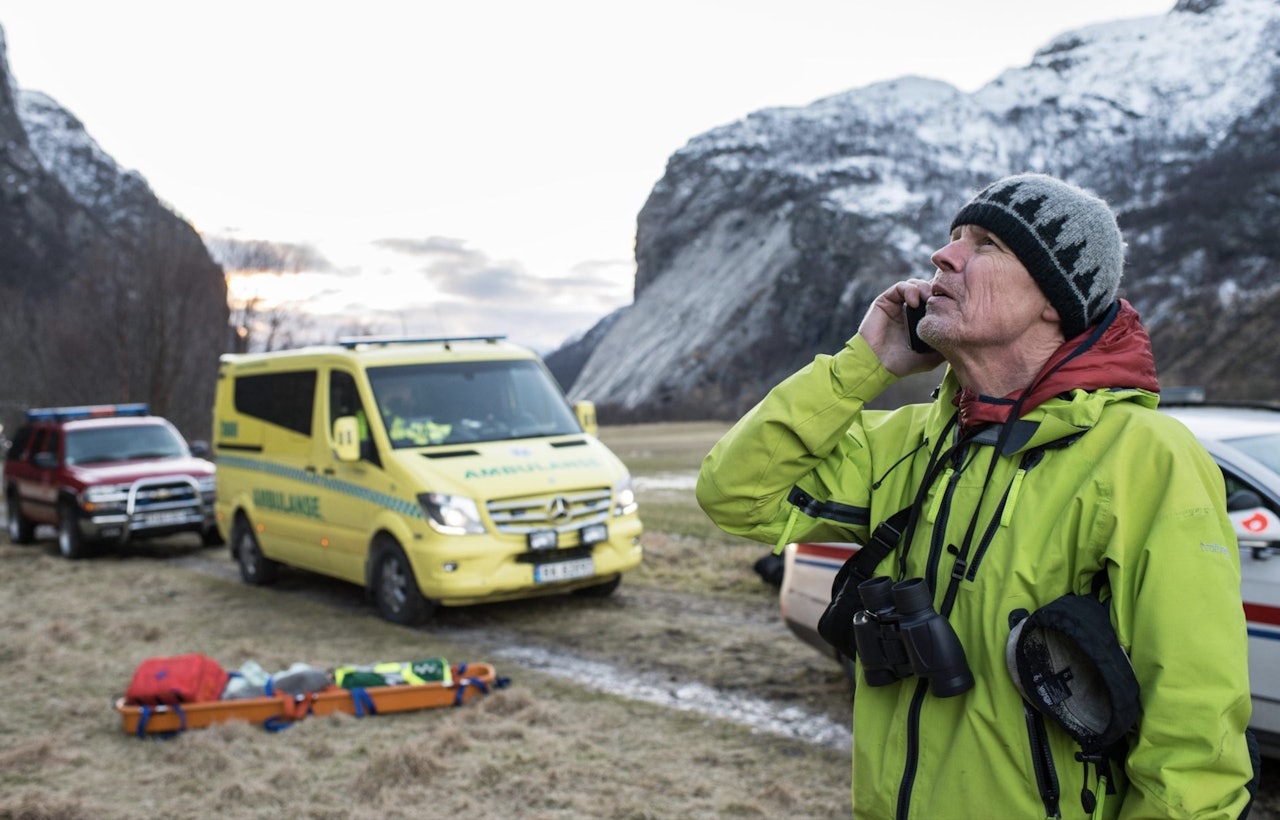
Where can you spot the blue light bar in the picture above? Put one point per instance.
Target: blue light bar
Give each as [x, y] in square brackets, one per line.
[87, 411]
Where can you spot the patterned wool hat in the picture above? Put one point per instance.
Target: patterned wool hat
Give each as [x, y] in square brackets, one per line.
[1066, 237]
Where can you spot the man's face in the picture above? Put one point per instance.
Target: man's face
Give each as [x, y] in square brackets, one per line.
[982, 294]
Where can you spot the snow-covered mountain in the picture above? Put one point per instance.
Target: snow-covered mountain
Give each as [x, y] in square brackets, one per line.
[766, 239]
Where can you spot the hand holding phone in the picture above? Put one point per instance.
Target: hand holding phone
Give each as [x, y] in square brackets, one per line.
[914, 315]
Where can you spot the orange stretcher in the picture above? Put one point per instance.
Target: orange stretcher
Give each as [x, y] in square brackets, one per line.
[280, 710]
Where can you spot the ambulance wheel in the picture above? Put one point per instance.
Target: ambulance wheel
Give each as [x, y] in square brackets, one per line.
[394, 588]
[256, 569]
[70, 541]
[21, 528]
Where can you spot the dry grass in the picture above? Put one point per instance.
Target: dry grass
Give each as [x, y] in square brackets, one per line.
[71, 633]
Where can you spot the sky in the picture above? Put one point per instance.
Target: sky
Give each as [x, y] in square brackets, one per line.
[464, 168]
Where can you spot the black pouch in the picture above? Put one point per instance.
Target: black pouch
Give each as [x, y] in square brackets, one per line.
[1066, 661]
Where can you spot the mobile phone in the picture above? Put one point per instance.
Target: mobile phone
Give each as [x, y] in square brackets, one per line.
[914, 315]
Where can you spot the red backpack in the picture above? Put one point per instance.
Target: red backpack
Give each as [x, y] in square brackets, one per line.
[187, 678]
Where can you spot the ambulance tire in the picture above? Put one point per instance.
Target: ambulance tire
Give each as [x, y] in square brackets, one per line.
[394, 587]
[256, 569]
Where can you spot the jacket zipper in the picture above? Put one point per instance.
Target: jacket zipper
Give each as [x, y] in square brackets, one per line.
[1041, 755]
[913, 749]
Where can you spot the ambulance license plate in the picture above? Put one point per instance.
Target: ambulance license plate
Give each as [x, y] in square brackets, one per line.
[564, 570]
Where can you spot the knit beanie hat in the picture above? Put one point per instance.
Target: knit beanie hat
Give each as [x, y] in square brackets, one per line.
[1066, 237]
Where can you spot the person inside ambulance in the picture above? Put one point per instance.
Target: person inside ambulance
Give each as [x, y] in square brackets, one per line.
[404, 422]
[1039, 471]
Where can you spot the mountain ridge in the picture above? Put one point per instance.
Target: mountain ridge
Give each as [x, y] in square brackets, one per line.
[766, 239]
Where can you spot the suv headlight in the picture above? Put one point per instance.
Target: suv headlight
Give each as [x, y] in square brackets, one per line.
[104, 497]
[207, 484]
[624, 498]
[451, 514]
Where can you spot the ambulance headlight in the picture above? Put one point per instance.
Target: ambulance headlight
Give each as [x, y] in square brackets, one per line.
[624, 498]
[451, 514]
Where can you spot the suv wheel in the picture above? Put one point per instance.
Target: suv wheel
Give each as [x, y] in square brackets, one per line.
[256, 569]
[21, 528]
[394, 588]
[210, 537]
[70, 542]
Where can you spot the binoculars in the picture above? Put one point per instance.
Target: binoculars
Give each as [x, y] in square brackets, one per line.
[898, 633]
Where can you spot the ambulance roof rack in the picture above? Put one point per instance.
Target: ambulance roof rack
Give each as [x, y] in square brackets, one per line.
[351, 342]
[87, 411]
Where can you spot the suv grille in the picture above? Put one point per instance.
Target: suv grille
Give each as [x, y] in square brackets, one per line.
[151, 495]
[563, 512]
[160, 494]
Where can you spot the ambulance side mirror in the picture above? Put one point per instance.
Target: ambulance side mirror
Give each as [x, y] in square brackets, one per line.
[586, 413]
[346, 438]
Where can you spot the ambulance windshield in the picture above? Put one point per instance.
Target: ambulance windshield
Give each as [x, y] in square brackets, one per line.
[458, 402]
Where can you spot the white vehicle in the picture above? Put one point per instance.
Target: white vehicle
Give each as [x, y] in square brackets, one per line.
[1245, 441]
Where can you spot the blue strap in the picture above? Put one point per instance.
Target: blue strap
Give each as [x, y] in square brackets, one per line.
[361, 699]
[459, 691]
[147, 712]
[276, 724]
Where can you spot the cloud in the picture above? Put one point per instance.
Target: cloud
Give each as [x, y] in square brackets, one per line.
[264, 256]
[433, 286]
[431, 246]
[454, 271]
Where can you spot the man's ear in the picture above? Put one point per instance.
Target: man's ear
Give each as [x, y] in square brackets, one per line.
[1050, 313]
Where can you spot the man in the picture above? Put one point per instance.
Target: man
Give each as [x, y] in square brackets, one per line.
[1041, 468]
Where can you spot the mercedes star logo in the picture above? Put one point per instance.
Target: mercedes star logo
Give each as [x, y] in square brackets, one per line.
[558, 509]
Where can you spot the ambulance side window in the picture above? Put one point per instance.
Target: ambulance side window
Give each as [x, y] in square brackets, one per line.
[284, 399]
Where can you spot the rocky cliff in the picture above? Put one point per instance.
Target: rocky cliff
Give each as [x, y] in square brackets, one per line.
[766, 239]
[108, 295]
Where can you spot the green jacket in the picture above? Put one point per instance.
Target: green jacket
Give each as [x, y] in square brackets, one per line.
[1089, 481]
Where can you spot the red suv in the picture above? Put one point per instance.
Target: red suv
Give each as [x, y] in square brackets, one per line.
[106, 473]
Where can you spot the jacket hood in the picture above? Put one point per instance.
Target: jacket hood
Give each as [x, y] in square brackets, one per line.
[1113, 355]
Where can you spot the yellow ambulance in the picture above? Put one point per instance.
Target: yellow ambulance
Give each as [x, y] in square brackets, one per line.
[445, 471]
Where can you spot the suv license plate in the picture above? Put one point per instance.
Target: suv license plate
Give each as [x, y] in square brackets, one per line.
[564, 570]
[163, 517]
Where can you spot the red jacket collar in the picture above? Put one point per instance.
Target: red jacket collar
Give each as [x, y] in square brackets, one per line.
[1116, 353]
